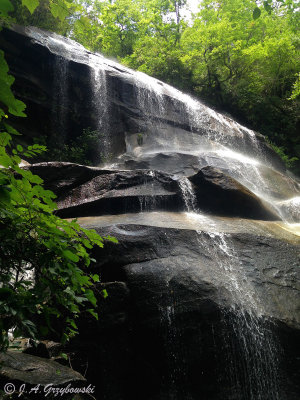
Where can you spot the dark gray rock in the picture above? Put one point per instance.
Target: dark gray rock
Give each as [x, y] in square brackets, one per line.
[219, 193]
[168, 328]
[44, 348]
[85, 190]
[34, 372]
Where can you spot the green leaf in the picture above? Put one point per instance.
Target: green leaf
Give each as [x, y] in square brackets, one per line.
[71, 256]
[93, 313]
[15, 107]
[267, 7]
[5, 8]
[5, 138]
[30, 4]
[95, 278]
[256, 13]
[4, 195]
[59, 10]
[5, 161]
[64, 355]
[111, 239]
[11, 130]
[104, 293]
[89, 294]
[72, 322]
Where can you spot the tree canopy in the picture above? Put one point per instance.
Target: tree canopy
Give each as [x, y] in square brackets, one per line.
[239, 56]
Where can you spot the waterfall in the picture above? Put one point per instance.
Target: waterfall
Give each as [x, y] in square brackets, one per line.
[188, 194]
[251, 348]
[149, 126]
[175, 382]
[149, 201]
[169, 122]
[101, 106]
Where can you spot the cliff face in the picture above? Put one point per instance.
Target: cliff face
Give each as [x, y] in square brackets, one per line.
[67, 89]
[204, 285]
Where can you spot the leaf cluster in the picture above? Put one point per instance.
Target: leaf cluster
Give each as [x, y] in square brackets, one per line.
[43, 259]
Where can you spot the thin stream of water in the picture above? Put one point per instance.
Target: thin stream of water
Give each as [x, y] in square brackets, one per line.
[252, 350]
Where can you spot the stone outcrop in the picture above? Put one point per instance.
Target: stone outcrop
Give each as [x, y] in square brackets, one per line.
[36, 374]
[166, 322]
[218, 191]
[84, 191]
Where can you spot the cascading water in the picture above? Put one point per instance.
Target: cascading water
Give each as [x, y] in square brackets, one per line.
[170, 122]
[101, 105]
[188, 194]
[251, 347]
[175, 382]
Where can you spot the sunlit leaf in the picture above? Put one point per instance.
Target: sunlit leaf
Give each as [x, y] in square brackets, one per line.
[30, 4]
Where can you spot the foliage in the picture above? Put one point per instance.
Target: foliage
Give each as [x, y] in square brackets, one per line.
[247, 67]
[43, 259]
[296, 89]
[35, 242]
[82, 150]
[240, 56]
[289, 161]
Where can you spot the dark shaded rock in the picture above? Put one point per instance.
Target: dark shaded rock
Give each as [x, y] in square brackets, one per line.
[172, 163]
[221, 194]
[165, 325]
[19, 368]
[103, 349]
[85, 190]
[61, 177]
[119, 192]
[44, 349]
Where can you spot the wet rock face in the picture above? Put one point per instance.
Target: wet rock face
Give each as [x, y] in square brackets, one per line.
[87, 191]
[57, 79]
[84, 191]
[168, 321]
[217, 191]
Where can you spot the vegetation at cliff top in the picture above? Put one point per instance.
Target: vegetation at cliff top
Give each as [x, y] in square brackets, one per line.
[239, 56]
[43, 259]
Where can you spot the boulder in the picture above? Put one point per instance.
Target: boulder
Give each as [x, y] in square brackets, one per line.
[170, 319]
[221, 194]
[37, 375]
[44, 348]
[85, 190]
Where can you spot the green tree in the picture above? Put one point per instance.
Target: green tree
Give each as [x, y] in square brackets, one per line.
[247, 67]
[43, 259]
